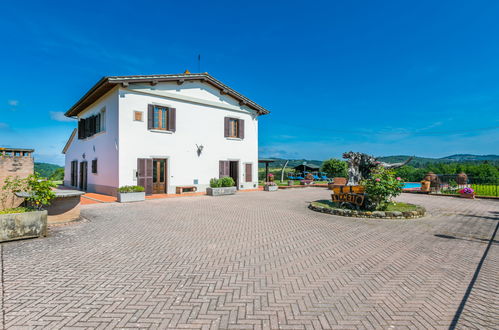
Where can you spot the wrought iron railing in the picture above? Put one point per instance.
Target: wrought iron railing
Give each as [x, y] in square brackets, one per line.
[452, 184]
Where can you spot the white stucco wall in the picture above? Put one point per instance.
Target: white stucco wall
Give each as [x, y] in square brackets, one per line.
[196, 124]
[102, 146]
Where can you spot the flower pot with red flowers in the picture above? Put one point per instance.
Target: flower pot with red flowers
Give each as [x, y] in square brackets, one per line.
[467, 193]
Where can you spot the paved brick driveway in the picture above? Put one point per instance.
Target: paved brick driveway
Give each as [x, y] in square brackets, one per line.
[257, 260]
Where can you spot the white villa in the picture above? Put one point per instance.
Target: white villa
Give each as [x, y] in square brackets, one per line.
[162, 132]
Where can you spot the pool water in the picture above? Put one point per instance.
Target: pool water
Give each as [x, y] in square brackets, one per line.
[411, 185]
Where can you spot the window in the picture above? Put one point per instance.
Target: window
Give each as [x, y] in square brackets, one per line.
[249, 172]
[161, 118]
[234, 128]
[94, 166]
[91, 125]
[137, 115]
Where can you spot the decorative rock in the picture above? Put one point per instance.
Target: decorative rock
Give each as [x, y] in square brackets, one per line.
[420, 212]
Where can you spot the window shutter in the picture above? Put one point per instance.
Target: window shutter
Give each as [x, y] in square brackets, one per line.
[87, 127]
[172, 119]
[241, 129]
[80, 129]
[150, 116]
[226, 126]
[249, 173]
[223, 169]
[144, 174]
[97, 123]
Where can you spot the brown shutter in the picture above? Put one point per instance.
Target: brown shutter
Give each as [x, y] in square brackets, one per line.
[87, 127]
[150, 116]
[226, 126]
[144, 174]
[241, 129]
[223, 170]
[249, 172]
[172, 119]
[80, 129]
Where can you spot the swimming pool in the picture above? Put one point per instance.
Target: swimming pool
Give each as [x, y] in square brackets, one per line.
[411, 185]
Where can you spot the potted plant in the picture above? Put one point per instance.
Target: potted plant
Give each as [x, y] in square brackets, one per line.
[425, 185]
[270, 186]
[467, 193]
[222, 186]
[29, 220]
[127, 194]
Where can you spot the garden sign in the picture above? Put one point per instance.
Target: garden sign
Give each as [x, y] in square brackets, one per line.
[348, 194]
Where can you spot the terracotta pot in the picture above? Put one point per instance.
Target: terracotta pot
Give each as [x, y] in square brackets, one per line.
[471, 196]
[425, 185]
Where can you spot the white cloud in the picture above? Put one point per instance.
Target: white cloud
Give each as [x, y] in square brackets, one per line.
[13, 103]
[59, 116]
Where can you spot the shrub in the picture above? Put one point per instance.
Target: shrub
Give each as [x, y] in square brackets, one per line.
[222, 182]
[228, 182]
[381, 187]
[39, 191]
[130, 189]
[335, 168]
[215, 183]
[11, 186]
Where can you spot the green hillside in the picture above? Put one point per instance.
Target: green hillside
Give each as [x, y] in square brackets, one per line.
[51, 171]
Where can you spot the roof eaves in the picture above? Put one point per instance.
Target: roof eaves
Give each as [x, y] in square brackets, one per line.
[110, 81]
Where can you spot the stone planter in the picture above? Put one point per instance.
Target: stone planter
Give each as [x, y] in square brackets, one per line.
[221, 191]
[470, 196]
[131, 197]
[23, 225]
[270, 188]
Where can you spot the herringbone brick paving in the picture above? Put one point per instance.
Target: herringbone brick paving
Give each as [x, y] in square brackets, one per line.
[256, 260]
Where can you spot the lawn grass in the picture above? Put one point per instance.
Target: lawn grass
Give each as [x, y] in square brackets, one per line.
[486, 189]
[400, 207]
[20, 209]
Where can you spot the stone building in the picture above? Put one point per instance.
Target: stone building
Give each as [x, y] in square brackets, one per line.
[15, 162]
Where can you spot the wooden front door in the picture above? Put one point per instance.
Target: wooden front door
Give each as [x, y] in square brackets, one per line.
[159, 176]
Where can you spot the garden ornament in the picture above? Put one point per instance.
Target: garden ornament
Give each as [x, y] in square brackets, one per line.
[360, 166]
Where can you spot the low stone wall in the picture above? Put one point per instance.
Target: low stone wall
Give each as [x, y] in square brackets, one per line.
[64, 209]
[418, 213]
[23, 225]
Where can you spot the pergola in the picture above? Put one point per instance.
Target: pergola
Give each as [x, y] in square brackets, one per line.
[266, 162]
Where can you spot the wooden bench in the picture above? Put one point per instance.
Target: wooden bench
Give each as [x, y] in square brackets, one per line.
[183, 189]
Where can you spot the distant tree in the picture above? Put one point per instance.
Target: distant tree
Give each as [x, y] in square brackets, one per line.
[57, 175]
[334, 168]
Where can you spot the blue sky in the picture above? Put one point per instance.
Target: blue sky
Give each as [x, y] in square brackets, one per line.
[383, 77]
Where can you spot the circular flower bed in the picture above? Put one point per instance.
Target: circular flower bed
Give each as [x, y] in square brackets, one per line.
[393, 211]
